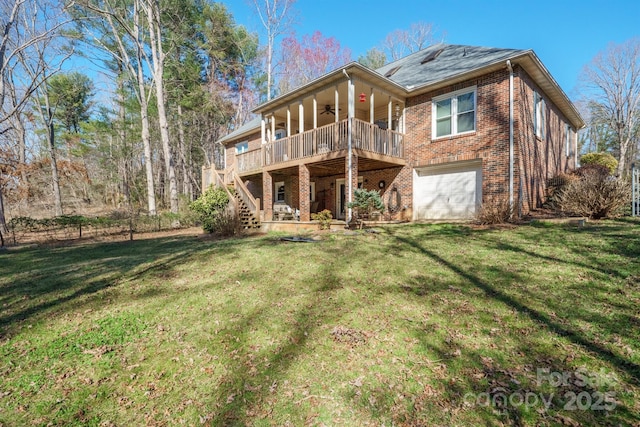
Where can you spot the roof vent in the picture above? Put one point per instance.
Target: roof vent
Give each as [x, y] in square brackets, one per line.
[392, 71]
[432, 55]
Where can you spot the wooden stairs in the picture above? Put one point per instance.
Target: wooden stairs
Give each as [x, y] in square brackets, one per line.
[247, 218]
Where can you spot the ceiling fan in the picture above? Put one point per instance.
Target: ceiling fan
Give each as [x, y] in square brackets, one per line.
[328, 110]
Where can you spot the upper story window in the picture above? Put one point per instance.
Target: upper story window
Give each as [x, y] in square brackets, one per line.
[454, 113]
[539, 109]
[242, 147]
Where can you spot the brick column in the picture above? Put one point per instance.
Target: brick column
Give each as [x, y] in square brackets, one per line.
[304, 194]
[267, 195]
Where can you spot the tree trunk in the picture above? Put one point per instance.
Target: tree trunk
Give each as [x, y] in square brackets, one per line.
[3, 221]
[157, 54]
[187, 187]
[144, 116]
[622, 161]
[55, 179]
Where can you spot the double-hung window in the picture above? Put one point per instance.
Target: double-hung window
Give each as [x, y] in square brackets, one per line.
[454, 113]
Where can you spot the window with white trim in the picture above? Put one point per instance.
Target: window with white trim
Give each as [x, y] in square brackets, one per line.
[568, 139]
[242, 147]
[538, 115]
[454, 113]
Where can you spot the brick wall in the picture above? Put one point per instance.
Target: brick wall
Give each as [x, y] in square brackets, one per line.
[537, 159]
[489, 142]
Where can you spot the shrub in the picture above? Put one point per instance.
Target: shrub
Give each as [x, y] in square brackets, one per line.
[365, 202]
[595, 194]
[593, 169]
[228, 224]
[324, 219]
[210, 209]
[554, 188]
[495, 211]
[603, 159]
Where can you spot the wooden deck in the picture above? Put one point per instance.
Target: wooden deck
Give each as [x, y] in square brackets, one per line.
[324, 142]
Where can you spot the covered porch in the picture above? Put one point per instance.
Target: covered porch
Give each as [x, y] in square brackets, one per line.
[309, 188]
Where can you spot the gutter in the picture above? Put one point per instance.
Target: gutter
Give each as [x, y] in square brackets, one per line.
[511, 148]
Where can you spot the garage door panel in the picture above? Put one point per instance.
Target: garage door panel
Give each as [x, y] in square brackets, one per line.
[447, 193]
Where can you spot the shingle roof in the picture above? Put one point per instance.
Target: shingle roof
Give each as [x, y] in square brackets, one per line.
[452, 60]
[246, 128]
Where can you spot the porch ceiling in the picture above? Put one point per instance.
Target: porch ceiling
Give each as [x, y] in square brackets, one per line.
[337, 166]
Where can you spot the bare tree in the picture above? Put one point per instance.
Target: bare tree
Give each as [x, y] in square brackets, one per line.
[400, 43]
[154, 29]
[276, 17]
[122, 38]
[612, 82]
[28, 56]
[24, 23]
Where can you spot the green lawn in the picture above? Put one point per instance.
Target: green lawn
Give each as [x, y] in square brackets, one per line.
[417, 325]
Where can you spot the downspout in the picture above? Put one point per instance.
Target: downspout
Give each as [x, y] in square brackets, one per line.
[350, 108]
[511, 149]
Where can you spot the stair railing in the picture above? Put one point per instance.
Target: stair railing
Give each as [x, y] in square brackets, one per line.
[242, 191]
[233, 204]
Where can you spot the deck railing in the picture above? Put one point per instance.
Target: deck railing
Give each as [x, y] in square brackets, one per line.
[325, 139]
[249, 161]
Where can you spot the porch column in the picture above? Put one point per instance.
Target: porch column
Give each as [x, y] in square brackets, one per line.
[263, 132]
[336, 106]
[300, 117]
[389, 113]
[267, 195]
[315, 111]
[304, 193]
[273, 128]
[372, 108]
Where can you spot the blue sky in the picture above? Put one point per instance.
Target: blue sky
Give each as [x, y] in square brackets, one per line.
[565, 35]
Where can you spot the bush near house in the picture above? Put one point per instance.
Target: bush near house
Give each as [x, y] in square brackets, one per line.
[495, 211]
[594, 194]
[365, 202]
[604, 159]
[324, 219]
[211, 208]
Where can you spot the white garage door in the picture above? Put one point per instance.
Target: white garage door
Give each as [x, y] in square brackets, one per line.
[447, 191]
